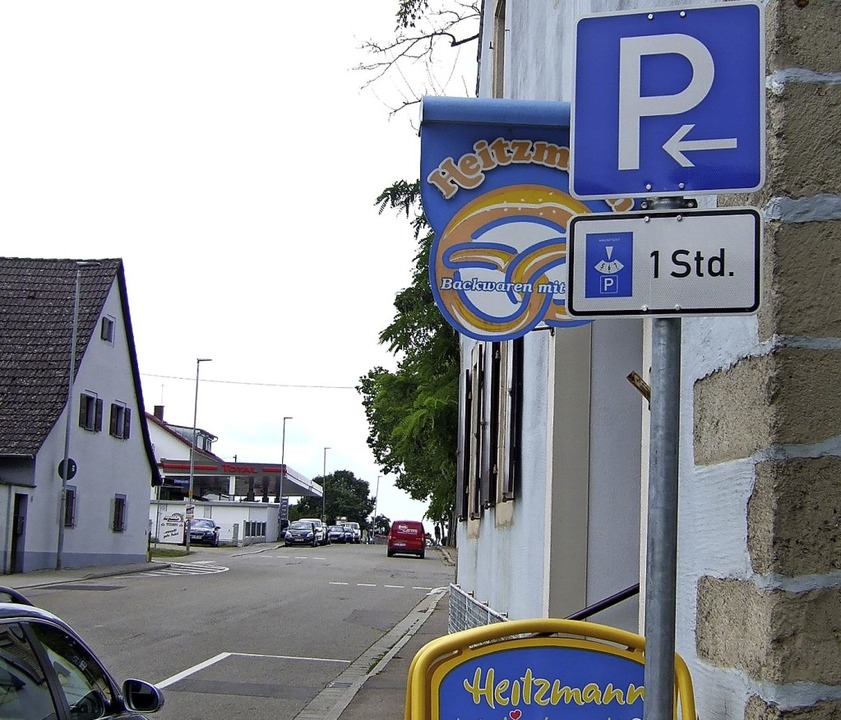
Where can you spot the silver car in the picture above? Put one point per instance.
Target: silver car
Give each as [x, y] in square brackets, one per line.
[47, 671]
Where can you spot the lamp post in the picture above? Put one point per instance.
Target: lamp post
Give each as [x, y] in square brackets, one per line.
[65, 471]
[189, 508]
[324, 487]
[376, 500]
[282, 472]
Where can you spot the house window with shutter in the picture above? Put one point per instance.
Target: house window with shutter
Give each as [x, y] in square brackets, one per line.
[120, 421]
[90, 412]
[119, 516]
[70, 506]
[511, 422]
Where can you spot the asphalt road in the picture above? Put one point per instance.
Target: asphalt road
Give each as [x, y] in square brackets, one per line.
[252, 633]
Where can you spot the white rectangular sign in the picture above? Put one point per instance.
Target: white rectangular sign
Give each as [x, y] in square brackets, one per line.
[679, 262]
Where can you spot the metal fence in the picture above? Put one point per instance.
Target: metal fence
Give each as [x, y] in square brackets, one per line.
[467, 612]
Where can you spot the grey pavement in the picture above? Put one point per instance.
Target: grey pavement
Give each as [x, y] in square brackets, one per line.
[373, 687]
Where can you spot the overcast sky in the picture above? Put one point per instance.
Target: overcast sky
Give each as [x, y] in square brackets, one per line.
[225, 152]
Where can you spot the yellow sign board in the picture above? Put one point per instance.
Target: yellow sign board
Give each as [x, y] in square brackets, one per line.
[540, 669]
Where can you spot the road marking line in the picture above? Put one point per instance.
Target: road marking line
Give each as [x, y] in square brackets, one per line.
[417, 587]
[365, 585]
[333, 582]
[402, 587]
[222, 656]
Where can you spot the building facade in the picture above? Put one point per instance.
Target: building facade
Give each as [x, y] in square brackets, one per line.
[553, 505]
[104, 519]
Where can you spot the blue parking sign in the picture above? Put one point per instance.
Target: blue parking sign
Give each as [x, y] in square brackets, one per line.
[669, 102]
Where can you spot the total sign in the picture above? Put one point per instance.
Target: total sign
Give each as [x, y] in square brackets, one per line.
[669, 102]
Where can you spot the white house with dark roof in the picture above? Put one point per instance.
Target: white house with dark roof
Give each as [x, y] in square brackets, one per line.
[105, 519]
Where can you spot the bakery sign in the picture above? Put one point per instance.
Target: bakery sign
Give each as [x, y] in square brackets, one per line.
[537, 669]
[495, 189]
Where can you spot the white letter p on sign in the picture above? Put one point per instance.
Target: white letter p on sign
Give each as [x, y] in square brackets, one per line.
[633, 106]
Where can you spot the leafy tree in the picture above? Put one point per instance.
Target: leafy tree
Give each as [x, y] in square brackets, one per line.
[412, 412]
[344, 496]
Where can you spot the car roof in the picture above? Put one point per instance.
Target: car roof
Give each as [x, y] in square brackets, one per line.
[19, 611]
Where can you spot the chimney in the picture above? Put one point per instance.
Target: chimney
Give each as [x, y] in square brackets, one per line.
[159, 412]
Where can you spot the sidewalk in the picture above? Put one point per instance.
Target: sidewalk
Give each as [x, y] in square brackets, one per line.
[373, 688]
[38, 578]
[383, 692]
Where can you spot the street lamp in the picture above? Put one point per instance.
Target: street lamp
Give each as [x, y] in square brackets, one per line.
[65, 471]
[282, 471]
[324, 487]
[189, 507]
[376, 500]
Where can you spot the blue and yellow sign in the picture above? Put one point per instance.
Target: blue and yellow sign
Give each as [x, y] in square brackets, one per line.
[540, 669]
[495, 188]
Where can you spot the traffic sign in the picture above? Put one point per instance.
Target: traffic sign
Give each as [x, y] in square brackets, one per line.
[681, 262]
[71, 469]
[669, 102]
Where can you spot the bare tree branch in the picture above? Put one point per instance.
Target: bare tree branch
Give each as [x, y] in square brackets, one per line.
[423, 56]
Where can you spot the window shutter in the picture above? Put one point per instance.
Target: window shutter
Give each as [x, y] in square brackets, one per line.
[115, 411]
[83, 410]
[127, 423]
[97, 423]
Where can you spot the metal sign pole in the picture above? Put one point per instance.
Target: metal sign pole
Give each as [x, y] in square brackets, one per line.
[661, 553]
[661, 546]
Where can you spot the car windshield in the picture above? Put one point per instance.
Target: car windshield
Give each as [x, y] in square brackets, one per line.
[301, 526]
[200, 523]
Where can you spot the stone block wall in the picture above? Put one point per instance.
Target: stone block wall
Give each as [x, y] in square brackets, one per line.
[780, 407]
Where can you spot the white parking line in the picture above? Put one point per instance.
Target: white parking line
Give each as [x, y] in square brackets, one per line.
[221, 656]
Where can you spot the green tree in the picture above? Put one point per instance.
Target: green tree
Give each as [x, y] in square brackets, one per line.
[412, 412]
[344, 496]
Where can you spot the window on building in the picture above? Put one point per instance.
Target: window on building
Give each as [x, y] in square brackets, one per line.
[513, 425]
[106, 330]
[70, 506]
[90, 412]
[477, 435]
[498, 48]
[496, 418]
[120, 421]
[119, 519]
[465, 449]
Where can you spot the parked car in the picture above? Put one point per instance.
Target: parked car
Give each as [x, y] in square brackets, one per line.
[355, 529]
[301, 532]
[204, 530]
[407, 537]
[339, 534]
[320, 530]
[47, 671]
